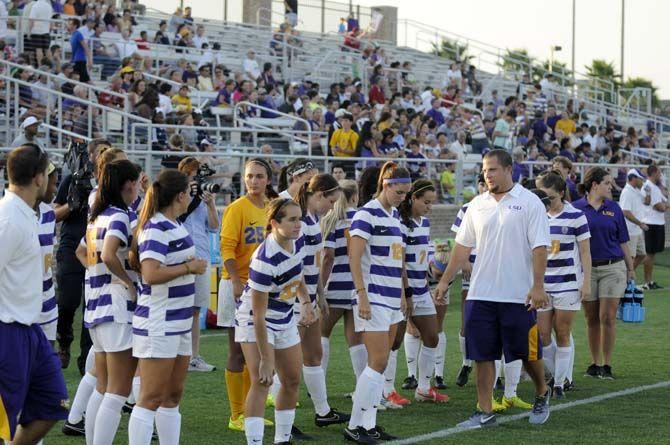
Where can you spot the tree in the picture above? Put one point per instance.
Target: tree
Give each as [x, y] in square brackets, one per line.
[452, 50]
[560, 70]
[603, 76]
[641, 82]
[516, 60]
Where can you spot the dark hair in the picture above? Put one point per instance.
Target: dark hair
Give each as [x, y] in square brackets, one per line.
[651, 170]
[502, 156]
[390, 170]
[419, 188]
[367, 184]
[111, 182]
[323, 182]
[277, 210]
[270, 192]
[551, 179]
[543, 197]
[26, 162]
[565, 162]
[286, 173]
[594, 175]
[104, 157]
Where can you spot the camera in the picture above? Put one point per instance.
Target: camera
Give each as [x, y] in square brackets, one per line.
[81, 167]
[202, 183]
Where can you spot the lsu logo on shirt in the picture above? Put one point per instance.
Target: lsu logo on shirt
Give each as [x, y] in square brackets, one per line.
[608, 213]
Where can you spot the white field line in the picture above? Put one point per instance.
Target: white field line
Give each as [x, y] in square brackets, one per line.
[505, 419]
[216, 334]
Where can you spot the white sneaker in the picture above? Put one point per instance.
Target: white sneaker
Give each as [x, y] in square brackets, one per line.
[200, 365]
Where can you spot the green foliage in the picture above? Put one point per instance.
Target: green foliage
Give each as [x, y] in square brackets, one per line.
[516, 60]
[452, 50]
[641, 82]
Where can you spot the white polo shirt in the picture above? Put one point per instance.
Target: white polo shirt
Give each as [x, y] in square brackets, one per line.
[20, 262]
[505, 234]
[651, 215]
[632, 199]
[41, 12]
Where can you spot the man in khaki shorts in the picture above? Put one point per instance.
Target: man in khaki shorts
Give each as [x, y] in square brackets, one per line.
[632, 202]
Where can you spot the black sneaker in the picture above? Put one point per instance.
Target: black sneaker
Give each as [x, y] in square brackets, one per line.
[378, 433]
[654, 286]
[558, 392]
[283, 443]
[463, 375]
[64, 356]
[606, 373]
[593, 371]
[410, 383]
[334, 417]
[439, 382]
[74, 429]
[299, 435]
[500, 386]
[359, 435]
[128, 407]
[569, 386]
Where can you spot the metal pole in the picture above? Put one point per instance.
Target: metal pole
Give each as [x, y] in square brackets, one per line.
[323, 16]
[225, 10]
[574, 6]
[623, 28]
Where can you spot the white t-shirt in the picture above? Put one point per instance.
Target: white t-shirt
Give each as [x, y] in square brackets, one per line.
[457, 148]
[41, 12]
[251, 66]
[632, 199]
[126, 48]
[653, 216]
[505, 234]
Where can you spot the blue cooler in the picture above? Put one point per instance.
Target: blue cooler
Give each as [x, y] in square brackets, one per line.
[631, 309]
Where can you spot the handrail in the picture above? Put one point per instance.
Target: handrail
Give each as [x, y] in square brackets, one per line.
[66, 132]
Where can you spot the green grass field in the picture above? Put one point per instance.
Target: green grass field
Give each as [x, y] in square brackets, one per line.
[641, 358]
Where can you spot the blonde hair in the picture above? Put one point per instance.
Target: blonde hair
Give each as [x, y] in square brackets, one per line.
[339, 211]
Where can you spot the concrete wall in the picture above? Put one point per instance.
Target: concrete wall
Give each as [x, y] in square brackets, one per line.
[389, 28]
[250, 11]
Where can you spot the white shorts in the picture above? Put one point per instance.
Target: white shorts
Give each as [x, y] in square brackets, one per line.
[225, 307]
[567, 301]
[111, 337]
[166, 346]
[203, 288]
[283, 339]
[49, 329]
[381, 321]
[423, 306]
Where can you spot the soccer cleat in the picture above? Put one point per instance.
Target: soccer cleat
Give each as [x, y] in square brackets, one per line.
[359, 435]
[270, 401]
[74, 429]
[606, 373]
[198, 364]
[386, 403]
[496, 407]
[540, 412]
[439, 382]
[283, 443]
[479, 420]
[593, 371]
[297, 434]
[64, 356]
[334, 417]
[127, 407]
[238, 424]
[654, 286]
[410, 383]
[378, 433]
[398, 399]
[431, 396]
[558, 393]
[463, 375]
[515, 402]
[569, 386]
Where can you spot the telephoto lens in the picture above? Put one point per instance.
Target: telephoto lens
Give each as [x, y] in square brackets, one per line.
[211, 187]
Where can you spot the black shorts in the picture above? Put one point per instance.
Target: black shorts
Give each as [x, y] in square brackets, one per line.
[80, 68]
[40, 41]
[654, 238]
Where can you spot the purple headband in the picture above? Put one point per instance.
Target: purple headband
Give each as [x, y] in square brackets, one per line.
[397, 181]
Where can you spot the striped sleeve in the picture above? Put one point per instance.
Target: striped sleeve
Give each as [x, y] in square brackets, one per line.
[153, 244]
[459, 219]
[331, 240]
[362, 225]
[260, 276]
[119, 227]
[582, 231]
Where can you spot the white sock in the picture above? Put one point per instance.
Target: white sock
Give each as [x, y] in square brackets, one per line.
[359, 359]
[315, 381]
[562, 364]
[168, 425]
[141, 426]
[108, 418]
[325, 357]
[365, 396]
[512, 376]
[135, 393]
[571, 366]
[81, 397]
[412, 345]
[90, 361]
[389, 373]
[549, 356]
[440, 354]
[426, 366]
[274, 388]
[461, 344]
[253, 429]
[370, 416]
[498, 365]
[92, 408]
[283, 423]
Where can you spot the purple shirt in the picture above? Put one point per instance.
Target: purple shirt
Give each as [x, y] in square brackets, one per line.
[436, 115]
[519, 171]
[608, 229]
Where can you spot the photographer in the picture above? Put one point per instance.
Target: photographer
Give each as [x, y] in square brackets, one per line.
[71, 209]
[200, 220]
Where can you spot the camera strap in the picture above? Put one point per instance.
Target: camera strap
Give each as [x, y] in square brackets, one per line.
[195, 202]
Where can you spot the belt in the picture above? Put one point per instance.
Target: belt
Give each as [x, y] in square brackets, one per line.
[598, 263]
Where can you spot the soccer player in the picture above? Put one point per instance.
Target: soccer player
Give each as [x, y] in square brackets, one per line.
[33, 395]
[242, 231]
[568, 276]
[416, 232]
[508, 221]
[266, 321]
[376, 259]
[48, 320]
[336, 274]
[111, 294]
[294, 175]
[161, 325]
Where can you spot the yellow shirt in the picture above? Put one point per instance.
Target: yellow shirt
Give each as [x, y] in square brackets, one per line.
[182, 104]
[567, 126]
[243, 229]
[346, 141]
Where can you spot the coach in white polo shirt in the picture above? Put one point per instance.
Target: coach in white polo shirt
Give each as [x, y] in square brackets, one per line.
[633, 201]
[654, 217]
[509, 227]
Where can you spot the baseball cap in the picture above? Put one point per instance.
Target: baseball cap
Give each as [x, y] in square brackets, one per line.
[127, 69]
[340, 112]
[30, 120]
[635, 173]
[205, 142]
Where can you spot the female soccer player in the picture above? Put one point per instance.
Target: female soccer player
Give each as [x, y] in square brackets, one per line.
[294, 175]
[316, 198]
[376, 258]
[162, 322]
[47, 234]
[568, 277]
[242, 231]
[110, 297]
[416, 232]
[266, 325]
[336, 274]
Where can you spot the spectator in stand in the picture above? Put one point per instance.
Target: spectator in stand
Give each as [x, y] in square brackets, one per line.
[388, 147]
[416, 168]
[344, 141]
[268, 76]
[188, 18]
[82, 57]
[110, 100]
[538, 128]
[137, 92]
[243, 92]
[377, 95]
[200, 37]
[435, 113]
[110, 19]
[519, 169]
[80, 7]
[567, 151]
[448, 180]
[142, 42]
[28, 135]
[205, 79]
[225, 96]
[181, 102]
[654, 218]
[457, 147]
[250, 66]
[101, 55]
[127, 21]
[68, 8]
[566, 125]
[564, 166]
[552, 119]
[539, 102]
[501, 133]
[126, 47]
[39, 28]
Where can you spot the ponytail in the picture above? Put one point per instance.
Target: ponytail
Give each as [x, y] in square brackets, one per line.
[390, 170]
[322, 182]
[112, 179]
[283, 179]
[339, 210]
[594, 175]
